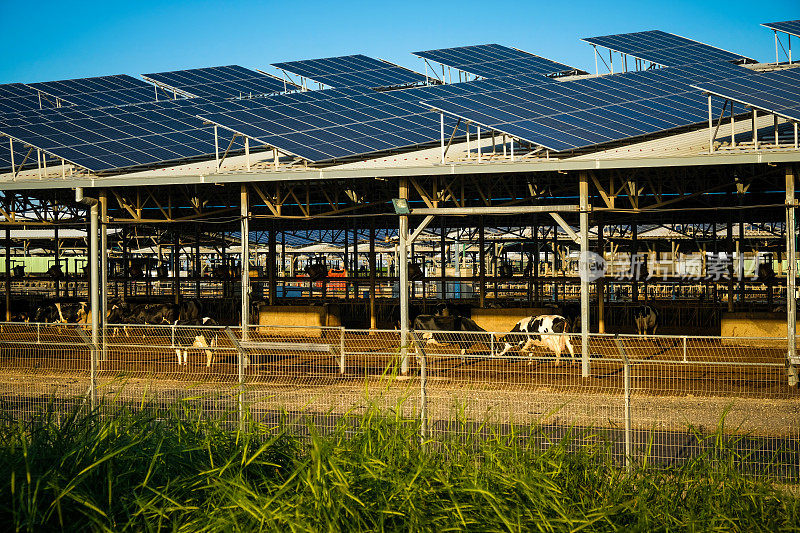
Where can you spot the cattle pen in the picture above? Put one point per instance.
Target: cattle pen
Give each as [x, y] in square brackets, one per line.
[313, 268]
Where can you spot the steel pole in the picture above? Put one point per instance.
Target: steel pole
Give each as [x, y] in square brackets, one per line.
[402, 261]
[245, 263]
[584, 262]
[791, 277]
[94, 296]
[8, 274]
[103, 266]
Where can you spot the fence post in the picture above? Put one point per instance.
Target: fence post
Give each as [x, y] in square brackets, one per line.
[240, 367]
[423, 388]
[38, 333]
[341, 350]
[685, 360]
[92, 366]
[626, 378]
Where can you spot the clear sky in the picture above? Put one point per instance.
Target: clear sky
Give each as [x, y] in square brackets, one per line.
[45, 40]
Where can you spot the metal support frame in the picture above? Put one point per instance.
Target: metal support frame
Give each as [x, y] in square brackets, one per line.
[755, 129]
[94, 294]
[600, 284]
[245, 263]
[567, 229]
[403, 288]
[584, 223]
[791, 277]
[373, 319]
[482, 263]
[8, 274]
[103, 265]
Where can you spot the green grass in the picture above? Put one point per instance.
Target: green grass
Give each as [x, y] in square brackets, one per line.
[142, 471]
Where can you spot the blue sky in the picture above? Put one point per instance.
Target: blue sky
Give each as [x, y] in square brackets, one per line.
[46, 40]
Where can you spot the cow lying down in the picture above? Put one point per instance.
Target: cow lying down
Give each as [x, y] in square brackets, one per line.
[548, 331]
[205, 339]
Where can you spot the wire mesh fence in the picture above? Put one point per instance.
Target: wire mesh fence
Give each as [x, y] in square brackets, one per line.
[659, 398]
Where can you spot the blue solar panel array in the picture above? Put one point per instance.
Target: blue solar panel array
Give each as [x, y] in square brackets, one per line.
[231, 81]
[355, 70]
[665, 49]
[355, 125]
[492, 60]
[112, 138]
[101, 91]
[586, 112]
[17, 97]
[777, 92]
[111, 123]
[792, 27]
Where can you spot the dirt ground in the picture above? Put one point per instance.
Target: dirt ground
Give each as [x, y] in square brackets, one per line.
[671, 386]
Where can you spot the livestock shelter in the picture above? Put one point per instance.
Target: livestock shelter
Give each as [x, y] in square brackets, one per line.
[493, 180]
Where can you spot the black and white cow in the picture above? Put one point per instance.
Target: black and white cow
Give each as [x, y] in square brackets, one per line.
[468, 333]
[646, 319]
[62, 313]
[186, 311]
[548, 331]
[205, 339]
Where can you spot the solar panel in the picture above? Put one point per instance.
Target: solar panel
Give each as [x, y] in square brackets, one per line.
[665, 49]
[113, 138]
[585, 112]
[492, 60]
[231, 81]
[356, 125]
[355, 70]
[792, 27]
[777, 92]
[102, 91]
[17, 97]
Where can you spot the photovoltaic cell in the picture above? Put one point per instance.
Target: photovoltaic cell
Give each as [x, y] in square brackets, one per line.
[231, 81]
[102, 91]
[355, 70]
[792, 27]
[113, 138]
[665, 49]
[17, 97]
[356, 125]
[492, 60]
[586, 112]
[777, 92]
